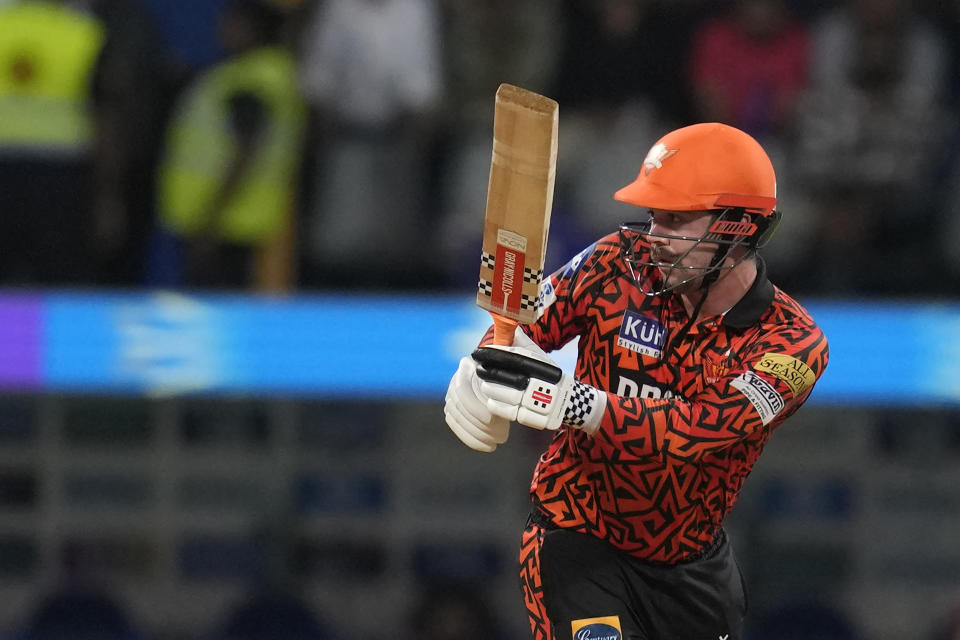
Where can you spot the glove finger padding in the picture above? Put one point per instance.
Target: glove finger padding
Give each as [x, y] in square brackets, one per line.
[513, 404]
[466, 388]
[467, 414]
[460, 428]
[502, 402]
[485, 438]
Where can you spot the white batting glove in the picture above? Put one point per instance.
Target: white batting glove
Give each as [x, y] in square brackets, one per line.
[465, 410]
[525, 385]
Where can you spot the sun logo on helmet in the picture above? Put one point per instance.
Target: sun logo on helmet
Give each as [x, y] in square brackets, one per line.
[655, 157]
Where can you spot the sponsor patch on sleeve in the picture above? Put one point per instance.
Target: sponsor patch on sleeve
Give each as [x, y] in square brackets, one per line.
[605, 628]
[546, 296]
[798, 376]
[761, 395]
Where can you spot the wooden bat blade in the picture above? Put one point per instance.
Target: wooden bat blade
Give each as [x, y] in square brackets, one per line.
[519, 201]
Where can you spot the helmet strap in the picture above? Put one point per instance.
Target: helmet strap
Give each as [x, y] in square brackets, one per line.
[708, 279]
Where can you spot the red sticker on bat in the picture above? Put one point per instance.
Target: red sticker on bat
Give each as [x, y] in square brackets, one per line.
[508, 279]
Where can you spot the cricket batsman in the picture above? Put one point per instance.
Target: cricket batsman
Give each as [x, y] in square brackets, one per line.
[689, 358]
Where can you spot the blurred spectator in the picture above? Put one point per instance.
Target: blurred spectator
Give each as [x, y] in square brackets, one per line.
[484, 45]
[618, 88]
[451, 612]
[82, 607]
[79, 614]
[273, 615]
[803, 621]
[749, 67]
[130, 89]
[49, 52]
[948, 214]
[371, 72]
[275, 608]
[227, 177]
[948, 17]
[869, 138]
[948, 192]
[619, 51]
[188, 30]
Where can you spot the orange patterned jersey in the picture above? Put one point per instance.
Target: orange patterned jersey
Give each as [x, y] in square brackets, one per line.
[687, 414]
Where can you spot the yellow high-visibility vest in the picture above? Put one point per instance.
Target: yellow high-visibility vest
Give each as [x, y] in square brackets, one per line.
[199, 147]
[47, 56]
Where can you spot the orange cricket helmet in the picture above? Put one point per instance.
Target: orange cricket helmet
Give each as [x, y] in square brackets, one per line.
[704, 167]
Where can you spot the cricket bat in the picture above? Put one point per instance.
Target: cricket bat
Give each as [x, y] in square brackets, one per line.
[519, 200]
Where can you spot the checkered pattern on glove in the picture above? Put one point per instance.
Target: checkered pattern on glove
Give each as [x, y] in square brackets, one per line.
[581, 405]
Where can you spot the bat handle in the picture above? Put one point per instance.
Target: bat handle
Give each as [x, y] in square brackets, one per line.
[503, 329]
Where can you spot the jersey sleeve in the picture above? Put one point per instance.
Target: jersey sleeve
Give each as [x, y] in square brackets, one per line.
[769, 383]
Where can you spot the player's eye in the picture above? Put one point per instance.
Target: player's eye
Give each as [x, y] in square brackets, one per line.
[665, 218]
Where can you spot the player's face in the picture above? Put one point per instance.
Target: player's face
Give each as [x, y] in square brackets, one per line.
[675, 247]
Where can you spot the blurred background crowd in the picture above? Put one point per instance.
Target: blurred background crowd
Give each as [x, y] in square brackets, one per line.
[320, 145]
[305, 145]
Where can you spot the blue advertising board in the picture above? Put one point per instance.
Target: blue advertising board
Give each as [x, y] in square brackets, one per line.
[382, 346]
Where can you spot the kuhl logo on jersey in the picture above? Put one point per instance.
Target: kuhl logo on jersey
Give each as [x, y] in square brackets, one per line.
[642, 334]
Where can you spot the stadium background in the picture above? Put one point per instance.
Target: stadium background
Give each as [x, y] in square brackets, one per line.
[171, 458]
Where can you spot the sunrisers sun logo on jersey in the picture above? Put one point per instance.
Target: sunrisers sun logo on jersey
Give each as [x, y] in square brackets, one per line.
[605, 628]
[642, 334]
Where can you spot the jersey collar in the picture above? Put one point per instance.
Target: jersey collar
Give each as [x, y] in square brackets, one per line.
[754, 303]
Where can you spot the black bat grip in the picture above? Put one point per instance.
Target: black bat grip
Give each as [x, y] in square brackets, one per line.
[513, 367]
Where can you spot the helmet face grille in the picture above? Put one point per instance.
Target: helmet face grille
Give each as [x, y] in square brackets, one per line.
[727, 233]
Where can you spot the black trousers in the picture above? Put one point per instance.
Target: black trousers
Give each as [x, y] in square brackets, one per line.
[584, 578]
